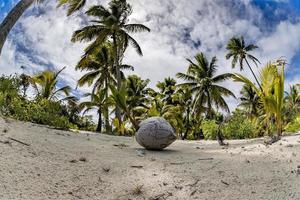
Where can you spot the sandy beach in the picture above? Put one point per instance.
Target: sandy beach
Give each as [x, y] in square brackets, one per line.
[55, 164]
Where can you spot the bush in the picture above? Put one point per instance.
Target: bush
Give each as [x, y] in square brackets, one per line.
[239, 128]
[210, 128]
[293, 126]
[40, 111]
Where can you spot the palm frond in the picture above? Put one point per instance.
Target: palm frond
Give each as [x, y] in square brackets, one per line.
[134, 28]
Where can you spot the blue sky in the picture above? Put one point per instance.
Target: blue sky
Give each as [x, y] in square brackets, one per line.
[180, 29]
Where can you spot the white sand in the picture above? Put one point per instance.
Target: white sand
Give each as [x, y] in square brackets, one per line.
[114, 170]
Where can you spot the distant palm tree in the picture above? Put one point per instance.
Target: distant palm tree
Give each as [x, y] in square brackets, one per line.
[293, 98]
[137, 89]
[120, 98]
[167, 88]
[111, 25]
[24, 83]
[45, 84]
[238, 51]
[12, 17]
[100, 103]
[200, 77]
[185, 97]
[250, 100]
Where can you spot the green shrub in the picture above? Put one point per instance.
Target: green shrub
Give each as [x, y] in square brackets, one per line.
[239, 128]
[293, 126]
[210, 128]
[40, 111]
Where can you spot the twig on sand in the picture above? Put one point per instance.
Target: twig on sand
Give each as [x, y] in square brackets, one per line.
[121, 145]
[193, 192]
[179, 163]
[19, 141]
[5, 142]
[205, 158]
[224, 182]
[106, 169]
[136, 166]
[182, 163]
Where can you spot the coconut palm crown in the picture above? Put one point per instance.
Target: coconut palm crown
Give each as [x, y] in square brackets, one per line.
[205, 85]
[239, 52]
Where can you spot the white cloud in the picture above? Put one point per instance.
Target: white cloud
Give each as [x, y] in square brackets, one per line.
[285, 41]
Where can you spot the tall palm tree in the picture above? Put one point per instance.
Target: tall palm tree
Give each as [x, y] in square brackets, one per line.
[185, 97]
[45, 84]
[100, 103]
[272, 93]
[239, 52]
[249, 101]
[200, 77]
[111, 25]
[100, 72]
[100, 66]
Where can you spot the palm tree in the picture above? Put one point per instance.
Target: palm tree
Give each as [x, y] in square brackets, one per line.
[167, 88]
[137, 90]
[45, 84]
[200, 77]
[239, 52]
[24, 83]
[111, 25]
[73, 5]
[185, 97]
[100, 66]
[249, 101]
[11, 19]
[101, 72]
[120, 98]
[293, 98]
[100, 103]
[292, 103]
[132, 99]
[272, 94]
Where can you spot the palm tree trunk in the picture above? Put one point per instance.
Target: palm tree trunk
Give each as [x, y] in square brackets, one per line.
[279, 125]
[133, 121]
[11, 19]
[253, 74]
[209, 107]
[107, 125]
[118, 75]
[187, 124]
[99, 126]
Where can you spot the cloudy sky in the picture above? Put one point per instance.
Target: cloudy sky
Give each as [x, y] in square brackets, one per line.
[179, 30]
